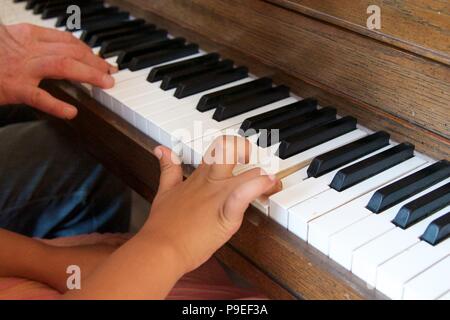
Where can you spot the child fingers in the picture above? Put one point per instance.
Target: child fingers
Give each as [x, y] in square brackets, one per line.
[240, 198]
[171, 171]
[224, 154]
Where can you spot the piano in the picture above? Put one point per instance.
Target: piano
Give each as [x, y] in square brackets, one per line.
[362, 115]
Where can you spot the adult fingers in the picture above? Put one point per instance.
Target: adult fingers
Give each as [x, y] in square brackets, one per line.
[171, 171]
[50, 35]
[60, 67]
[77, 52]
[41, 100]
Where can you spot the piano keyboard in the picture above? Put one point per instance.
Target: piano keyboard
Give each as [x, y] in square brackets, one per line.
[376, 207]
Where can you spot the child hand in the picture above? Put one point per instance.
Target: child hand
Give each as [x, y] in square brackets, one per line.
[197, 216]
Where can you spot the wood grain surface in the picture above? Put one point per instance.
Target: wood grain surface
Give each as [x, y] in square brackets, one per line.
[283, 265]
[383, 86]
[419, 26]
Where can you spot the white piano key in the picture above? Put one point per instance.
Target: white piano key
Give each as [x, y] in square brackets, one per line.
[77, 34]
[343, 243]
[396, 272]
[367, 253]
[303, 190]
[119, 100]
[353, 219]
[157, 112]
[301, 214]
[263, 203]
[267, 160]
[380, 236]
[445, 296]
[430, 284]
[195, 125]
[201, 145]
[112, 61]
[321, 229]
[184, 106]
[126, 74]
[123, 80]
[182, 110]
[131, 105]
[194, 150]
[48, 23]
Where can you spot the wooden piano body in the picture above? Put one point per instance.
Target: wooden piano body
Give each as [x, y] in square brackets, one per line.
[396, 79]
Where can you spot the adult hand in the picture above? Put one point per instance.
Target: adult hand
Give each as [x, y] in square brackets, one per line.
[30, 53]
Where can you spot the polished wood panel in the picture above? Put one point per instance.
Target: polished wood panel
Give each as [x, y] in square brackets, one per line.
[420, 26]
[407, 89]
[296, 269]
[434, 144]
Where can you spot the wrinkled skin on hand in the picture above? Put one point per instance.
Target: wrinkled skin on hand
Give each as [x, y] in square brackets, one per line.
[30, 53]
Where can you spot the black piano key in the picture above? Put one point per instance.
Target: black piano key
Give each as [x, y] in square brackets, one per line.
[121, 45]
[315, 136]
[203, 83]
[103, 18]
[91, 9]
[32, 3]
[341, 156]
[212, 100]
[53, 11]
[95, 21]
[267, 119]
[151, 59]
[40, 7]
[158, 73]
[90, 32]
[143, 48]
[438, 230]
[170, 81]
[295, 126]
[238, 96]
[229, 109]
[367, 168]
[99, 38]
[402, 189]
[422, 207]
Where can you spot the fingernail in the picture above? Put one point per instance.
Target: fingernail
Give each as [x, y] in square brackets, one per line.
[70, 112]
[272, 177]
[280, 185]
[112, 69]
[108, 81]
[158, 153]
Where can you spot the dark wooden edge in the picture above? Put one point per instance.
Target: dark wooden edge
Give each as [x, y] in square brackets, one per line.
[287, 260]
[254, 275]
[425, 140]
[425, 52]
